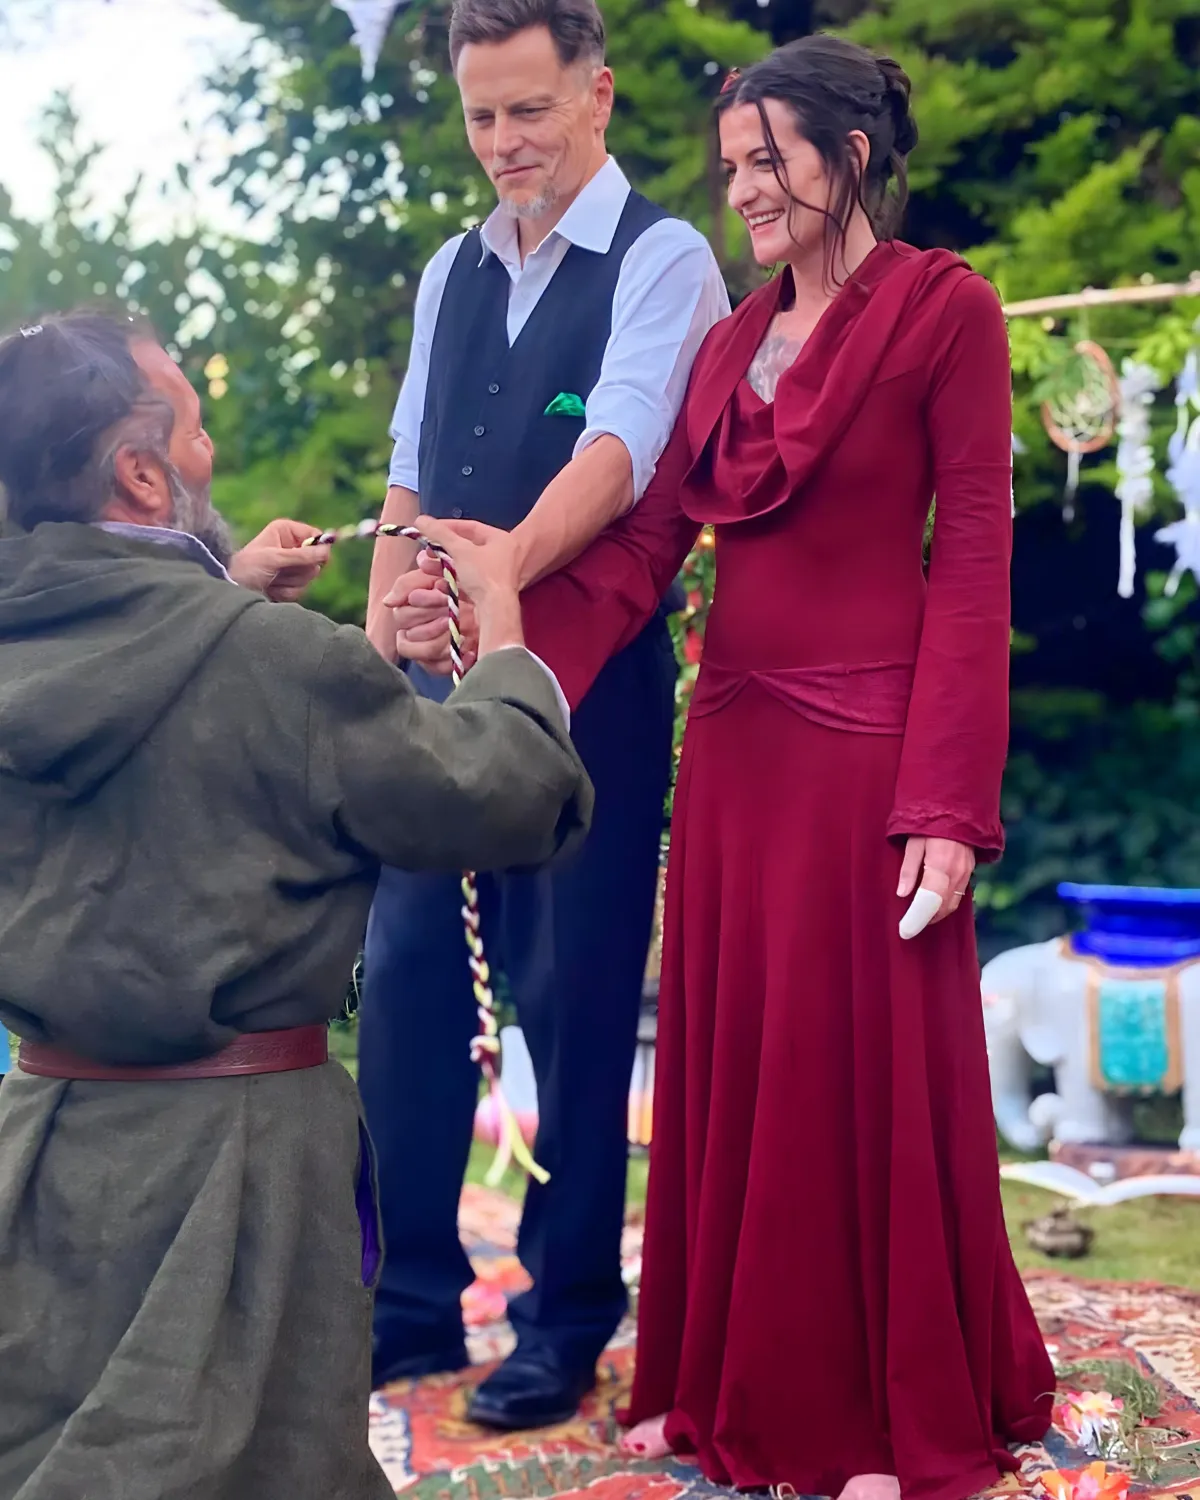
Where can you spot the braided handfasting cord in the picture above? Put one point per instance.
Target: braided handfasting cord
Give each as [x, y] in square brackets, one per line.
[485, 1048]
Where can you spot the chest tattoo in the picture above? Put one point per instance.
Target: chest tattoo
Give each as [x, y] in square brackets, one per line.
[776, 354]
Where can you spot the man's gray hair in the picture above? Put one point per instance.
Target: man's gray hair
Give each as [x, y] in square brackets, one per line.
[72, 395]
[576, 26]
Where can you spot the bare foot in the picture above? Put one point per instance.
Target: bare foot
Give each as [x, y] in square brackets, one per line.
[872, 1487]
[648, 1440]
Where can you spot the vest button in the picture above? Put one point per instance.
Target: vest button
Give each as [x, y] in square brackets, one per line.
[479, 431]
[493, 389]
[467, 471]
[456, 513]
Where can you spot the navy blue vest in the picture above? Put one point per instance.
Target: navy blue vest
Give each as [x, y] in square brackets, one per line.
[488, 449]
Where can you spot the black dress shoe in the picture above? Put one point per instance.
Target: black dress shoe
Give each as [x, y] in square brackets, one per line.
[388, 1367]
[531, 1389]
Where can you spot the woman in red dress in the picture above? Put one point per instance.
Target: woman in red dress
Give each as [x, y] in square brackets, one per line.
[828, 1298]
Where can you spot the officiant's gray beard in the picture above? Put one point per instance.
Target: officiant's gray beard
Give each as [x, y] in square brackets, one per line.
[194, 513]
[530, 208]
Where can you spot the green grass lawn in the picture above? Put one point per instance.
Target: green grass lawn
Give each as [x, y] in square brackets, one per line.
[1156, 1239]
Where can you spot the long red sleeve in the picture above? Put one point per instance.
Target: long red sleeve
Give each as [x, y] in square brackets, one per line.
[956, 737]
[585, 613]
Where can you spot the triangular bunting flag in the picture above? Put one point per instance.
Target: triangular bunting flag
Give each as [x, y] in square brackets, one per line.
[371, 20]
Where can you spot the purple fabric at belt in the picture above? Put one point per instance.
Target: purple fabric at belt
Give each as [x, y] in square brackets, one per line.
[368, 1211]
[864, 698]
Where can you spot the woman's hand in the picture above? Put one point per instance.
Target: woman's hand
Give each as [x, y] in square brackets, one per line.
[421, 620]
[944, 870]
[487, 563]
[418, 598]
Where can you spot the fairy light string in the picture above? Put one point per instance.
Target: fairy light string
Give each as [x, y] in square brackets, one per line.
[485, 1048]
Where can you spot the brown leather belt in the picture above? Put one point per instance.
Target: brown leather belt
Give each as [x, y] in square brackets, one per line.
[255, 1052]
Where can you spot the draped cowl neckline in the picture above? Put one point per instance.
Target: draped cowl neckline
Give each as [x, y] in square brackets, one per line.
[750, 457]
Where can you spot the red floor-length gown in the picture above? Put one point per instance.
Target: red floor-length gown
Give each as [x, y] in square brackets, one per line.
[828, 1288]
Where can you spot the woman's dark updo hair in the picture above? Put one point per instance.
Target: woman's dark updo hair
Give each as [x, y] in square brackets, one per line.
[834, 87]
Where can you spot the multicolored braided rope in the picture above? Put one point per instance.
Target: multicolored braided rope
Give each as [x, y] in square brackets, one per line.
[485, 1048]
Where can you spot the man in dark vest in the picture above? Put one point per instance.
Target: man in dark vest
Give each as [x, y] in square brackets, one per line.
[551, 349]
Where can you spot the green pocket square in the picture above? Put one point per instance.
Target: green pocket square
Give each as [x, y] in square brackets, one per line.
[565, 405]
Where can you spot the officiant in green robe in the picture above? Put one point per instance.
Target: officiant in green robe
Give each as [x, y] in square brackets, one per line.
[197, 787]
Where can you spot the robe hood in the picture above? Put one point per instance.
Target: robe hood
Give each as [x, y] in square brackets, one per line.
[99, 635]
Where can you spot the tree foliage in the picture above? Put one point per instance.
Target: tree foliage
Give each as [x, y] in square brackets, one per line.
[1060, 149]
[237, 316]
[368, 183]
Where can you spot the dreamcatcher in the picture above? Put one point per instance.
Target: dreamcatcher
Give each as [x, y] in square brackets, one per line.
[1079, 410]
[1184, 474]
[1135, 462]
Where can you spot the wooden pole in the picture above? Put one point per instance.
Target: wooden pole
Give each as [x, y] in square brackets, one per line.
[1097, 297]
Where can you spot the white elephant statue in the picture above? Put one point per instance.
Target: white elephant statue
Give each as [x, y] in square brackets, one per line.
[1041, 1005]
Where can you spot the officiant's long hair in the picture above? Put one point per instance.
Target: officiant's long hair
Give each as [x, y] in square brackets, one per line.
[69, 387]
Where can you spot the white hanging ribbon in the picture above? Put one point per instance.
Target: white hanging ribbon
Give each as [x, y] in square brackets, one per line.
[1135, 462]
[1184, 475]
[1017, 447]
[1071, 488]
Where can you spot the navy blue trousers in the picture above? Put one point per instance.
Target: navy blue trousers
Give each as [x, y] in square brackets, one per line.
[572, 942]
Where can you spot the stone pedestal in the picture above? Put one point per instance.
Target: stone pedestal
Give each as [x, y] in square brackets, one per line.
[1111, 1163]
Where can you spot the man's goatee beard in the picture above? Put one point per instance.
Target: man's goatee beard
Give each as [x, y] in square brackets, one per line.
[533, 208]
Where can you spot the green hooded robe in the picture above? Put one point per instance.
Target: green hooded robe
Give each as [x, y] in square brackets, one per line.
[197, 789]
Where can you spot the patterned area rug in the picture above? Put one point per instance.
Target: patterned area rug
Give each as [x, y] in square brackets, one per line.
[431, 1452]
